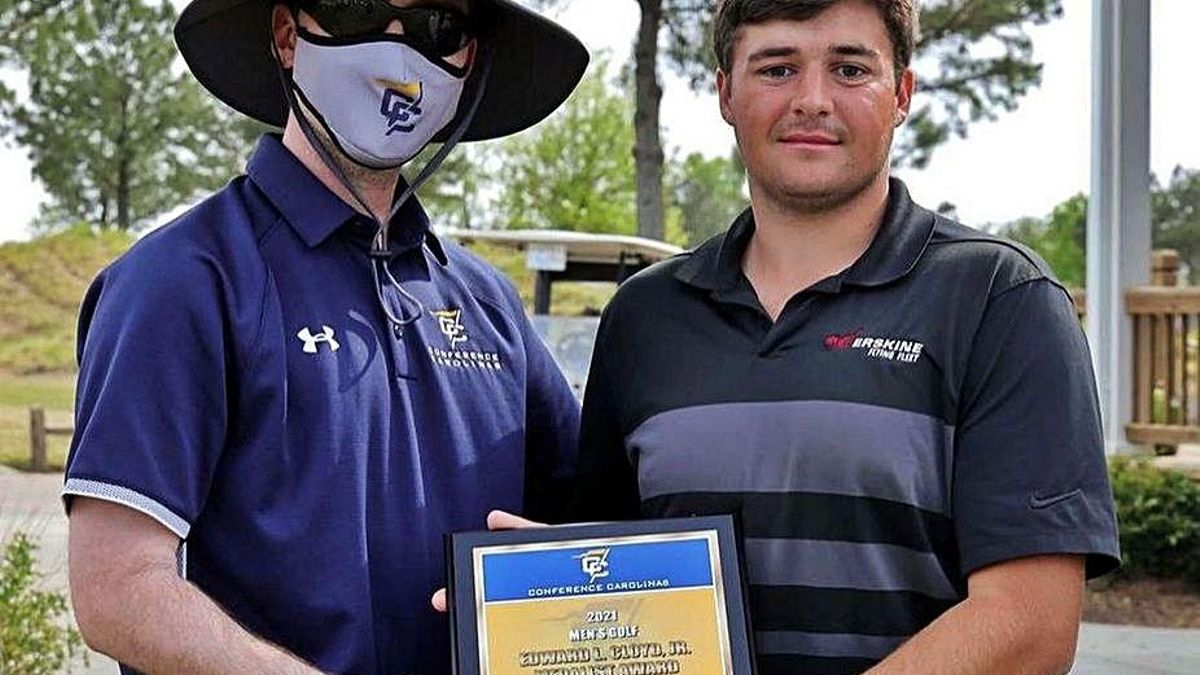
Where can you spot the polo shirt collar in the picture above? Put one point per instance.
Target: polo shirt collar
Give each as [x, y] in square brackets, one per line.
[897, 247]
[315, 212]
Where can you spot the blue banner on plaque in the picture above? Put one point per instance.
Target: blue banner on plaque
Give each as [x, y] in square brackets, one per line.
[571, 572]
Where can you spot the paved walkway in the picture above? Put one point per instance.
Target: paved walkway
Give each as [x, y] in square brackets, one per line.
[1185, 459]
[1124, 650]
[30, 503]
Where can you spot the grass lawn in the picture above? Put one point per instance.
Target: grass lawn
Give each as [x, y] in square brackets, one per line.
[18, 393]
[570, 298]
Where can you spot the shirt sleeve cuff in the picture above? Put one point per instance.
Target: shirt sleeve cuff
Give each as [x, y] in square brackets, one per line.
[126, 497]
[1101, 552]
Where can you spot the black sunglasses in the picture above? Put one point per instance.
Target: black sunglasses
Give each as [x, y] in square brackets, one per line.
[441, 31]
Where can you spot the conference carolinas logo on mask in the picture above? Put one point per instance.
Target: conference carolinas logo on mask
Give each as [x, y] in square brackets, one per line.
[401, 105]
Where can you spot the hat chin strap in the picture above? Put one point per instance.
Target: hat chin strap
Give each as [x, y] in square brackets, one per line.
[380, 253]
[479, 86]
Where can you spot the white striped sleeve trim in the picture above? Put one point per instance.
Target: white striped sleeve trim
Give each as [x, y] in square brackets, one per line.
[126, 497]
[181, 561]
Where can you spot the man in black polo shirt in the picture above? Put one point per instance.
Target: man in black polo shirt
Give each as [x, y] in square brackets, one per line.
[899, 409]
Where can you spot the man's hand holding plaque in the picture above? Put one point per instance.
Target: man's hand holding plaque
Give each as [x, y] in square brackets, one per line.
[496, 520]
[624, 598]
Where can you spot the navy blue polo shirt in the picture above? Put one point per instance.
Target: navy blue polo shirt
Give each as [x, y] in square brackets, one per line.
[926, 413]
[240, 383]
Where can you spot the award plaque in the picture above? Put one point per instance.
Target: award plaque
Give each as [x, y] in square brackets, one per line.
[623, 598]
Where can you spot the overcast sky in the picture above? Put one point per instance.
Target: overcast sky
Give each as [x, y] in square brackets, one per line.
[1021, 165]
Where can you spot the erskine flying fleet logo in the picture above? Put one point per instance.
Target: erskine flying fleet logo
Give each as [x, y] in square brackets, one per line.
[886, 348]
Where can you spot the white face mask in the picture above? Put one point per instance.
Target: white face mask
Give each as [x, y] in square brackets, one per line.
[381, 101]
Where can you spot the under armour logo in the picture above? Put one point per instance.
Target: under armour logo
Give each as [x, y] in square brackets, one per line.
[594, 563]
[311, 341]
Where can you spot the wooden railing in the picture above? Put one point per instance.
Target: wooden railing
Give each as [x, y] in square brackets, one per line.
[38, 433]
[1079, 296]
[1166, 362]
[1166, 330]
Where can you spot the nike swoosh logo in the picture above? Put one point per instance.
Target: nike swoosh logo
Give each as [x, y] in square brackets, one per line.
[1039, 503]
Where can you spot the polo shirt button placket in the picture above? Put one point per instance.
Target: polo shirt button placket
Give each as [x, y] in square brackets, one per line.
[788, 326]
[398, 345]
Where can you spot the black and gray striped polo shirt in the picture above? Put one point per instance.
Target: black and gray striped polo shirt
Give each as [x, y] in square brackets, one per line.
[926, 413]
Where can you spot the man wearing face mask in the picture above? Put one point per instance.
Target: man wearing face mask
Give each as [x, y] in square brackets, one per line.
[287, 396]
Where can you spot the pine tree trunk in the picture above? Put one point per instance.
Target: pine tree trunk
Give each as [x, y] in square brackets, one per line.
[124, 158]
[648, 152]
[123, 218]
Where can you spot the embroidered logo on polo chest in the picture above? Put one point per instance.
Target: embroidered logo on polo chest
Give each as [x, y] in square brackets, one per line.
[450, 323]
[885, 348]
[311, 341]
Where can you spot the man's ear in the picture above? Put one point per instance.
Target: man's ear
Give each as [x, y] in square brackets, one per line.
[904, 93]
[724, 94]
[472, 54]
[283, 32]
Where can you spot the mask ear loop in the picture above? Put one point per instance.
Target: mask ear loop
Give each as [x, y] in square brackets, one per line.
[380, 254]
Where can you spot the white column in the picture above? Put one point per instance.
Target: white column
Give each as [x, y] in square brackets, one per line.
[1118, 232]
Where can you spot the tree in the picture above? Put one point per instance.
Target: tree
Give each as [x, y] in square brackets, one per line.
[116, 133]
[1059, 239]
[709, 193]
[974, 58]
[1175, 213]
[648, 152]
[569, 173]
[453, 196]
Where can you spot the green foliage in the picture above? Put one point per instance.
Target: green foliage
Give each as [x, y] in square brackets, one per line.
[1175, 212]
[973, 60]
[454, 195]
[117, 134]
[709, 194]
[1159, 515]
[1059, 239]
[41, 285]
[35, 634]
[575, 171]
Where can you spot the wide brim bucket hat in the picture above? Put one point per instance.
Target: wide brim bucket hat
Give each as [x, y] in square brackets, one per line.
[536, 63]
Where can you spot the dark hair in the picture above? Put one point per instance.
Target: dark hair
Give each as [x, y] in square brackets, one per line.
[899, 16]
